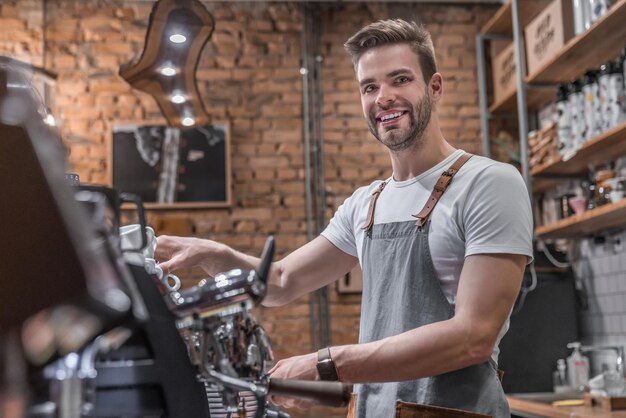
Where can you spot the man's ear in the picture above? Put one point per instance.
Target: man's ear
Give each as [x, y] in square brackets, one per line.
[435, 87]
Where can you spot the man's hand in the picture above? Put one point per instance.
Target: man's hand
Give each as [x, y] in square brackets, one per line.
[174, 253]
[296, 368]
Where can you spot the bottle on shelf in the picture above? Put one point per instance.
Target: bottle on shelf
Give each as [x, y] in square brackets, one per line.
[616, 93]
[592, 116]
[603, 94]
[576, 105]
[563, 120]
[598, 8]
[559, 377]
[582, 15]
[622, 58]
[577, 367]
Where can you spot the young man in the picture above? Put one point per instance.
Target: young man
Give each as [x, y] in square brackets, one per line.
[443, 254]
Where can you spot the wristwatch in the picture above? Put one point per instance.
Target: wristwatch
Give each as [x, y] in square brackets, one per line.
[326, 366]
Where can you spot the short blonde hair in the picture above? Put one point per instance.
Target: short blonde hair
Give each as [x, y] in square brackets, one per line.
[395, 31]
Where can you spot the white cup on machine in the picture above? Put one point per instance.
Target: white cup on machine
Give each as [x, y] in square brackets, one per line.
[130, 240]
[131, 245]
[170, 281]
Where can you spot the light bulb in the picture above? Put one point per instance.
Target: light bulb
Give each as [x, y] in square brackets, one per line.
[168, 71]
[178, 38]
[178, 98]
[188, 121]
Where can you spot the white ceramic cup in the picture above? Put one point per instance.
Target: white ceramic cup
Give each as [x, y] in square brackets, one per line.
[130, 240]
[170, 281]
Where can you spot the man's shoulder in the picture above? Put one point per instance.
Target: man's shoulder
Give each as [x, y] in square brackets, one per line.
[359, 199]
[487, 168]
[365, 192]
[488, 179]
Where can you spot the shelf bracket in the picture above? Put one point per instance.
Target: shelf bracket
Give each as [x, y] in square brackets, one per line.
[521, 94]
[482, 93]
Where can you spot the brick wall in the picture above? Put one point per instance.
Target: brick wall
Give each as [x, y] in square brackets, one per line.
[21, 30]
[249, 77]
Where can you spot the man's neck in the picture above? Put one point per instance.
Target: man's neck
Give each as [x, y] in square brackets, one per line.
[416, 160]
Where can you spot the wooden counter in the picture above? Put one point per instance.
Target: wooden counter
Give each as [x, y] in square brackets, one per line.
[528, 408]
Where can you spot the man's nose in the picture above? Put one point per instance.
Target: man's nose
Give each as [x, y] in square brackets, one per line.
[385, 96]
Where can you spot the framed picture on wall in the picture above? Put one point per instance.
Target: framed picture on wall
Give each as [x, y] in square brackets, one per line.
[172, 168]
[351, 282]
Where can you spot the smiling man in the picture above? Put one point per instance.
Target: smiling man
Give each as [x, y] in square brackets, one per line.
[442, 243]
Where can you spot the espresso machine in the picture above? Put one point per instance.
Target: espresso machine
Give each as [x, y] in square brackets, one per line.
[98, 332]
[94, 334]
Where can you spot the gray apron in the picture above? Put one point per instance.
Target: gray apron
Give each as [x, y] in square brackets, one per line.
[401, 291]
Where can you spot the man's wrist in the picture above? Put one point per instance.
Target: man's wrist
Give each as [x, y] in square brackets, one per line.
[326, 368]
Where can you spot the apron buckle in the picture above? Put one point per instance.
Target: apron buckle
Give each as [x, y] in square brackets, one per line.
[420, 221]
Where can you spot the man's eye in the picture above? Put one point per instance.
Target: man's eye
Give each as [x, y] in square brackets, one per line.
[369, 88]
[402, 79]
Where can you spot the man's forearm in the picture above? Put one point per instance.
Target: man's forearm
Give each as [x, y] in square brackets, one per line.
[426, 351]
[308, 268]
[215, 258]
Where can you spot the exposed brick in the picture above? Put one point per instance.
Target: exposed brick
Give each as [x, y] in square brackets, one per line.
[254, 214]
[117, 48]
[261, 25]
[12, 24]
[100, 22]
[8, 11]
[125, 13]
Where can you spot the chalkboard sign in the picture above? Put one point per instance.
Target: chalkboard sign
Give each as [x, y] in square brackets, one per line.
[169, 167]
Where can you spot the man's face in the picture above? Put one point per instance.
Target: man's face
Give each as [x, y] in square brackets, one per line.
[394, 97]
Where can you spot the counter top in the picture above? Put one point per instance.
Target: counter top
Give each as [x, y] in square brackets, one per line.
[531, 405]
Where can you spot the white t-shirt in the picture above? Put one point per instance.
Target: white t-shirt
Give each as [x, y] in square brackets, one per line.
[486, 209]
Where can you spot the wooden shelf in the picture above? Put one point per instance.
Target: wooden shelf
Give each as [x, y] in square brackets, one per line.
[601, 43]
[611, 215]
[535, 99]
[601, 149]
[502, 23]
[589, 50]
[540, 185]
[577, 56]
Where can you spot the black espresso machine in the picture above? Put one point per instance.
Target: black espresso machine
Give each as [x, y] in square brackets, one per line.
[84, 332]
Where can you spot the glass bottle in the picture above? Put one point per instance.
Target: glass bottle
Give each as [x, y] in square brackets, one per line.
[559, 377]
[616, 93]
[576, 104]
[563, 120]
[593, 125]
[604, 86]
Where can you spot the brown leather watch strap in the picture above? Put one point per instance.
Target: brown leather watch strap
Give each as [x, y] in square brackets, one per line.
[370, 212]
[326, 368]
[440, 187]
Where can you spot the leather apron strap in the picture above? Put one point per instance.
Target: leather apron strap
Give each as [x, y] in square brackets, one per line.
[370, 212]
[440, 187]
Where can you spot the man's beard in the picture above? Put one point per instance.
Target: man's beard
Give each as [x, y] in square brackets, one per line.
[400, 139]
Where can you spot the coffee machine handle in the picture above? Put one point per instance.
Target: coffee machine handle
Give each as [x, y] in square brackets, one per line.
[141, 214]
[266, 259]
[335, 394]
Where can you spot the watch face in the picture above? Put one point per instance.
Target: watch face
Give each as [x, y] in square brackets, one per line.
[326, 370]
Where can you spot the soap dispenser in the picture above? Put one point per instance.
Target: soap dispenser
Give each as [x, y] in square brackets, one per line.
[577, 367]
[559, 378]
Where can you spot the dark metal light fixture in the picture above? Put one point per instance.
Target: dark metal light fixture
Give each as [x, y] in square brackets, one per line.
[166, 69]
